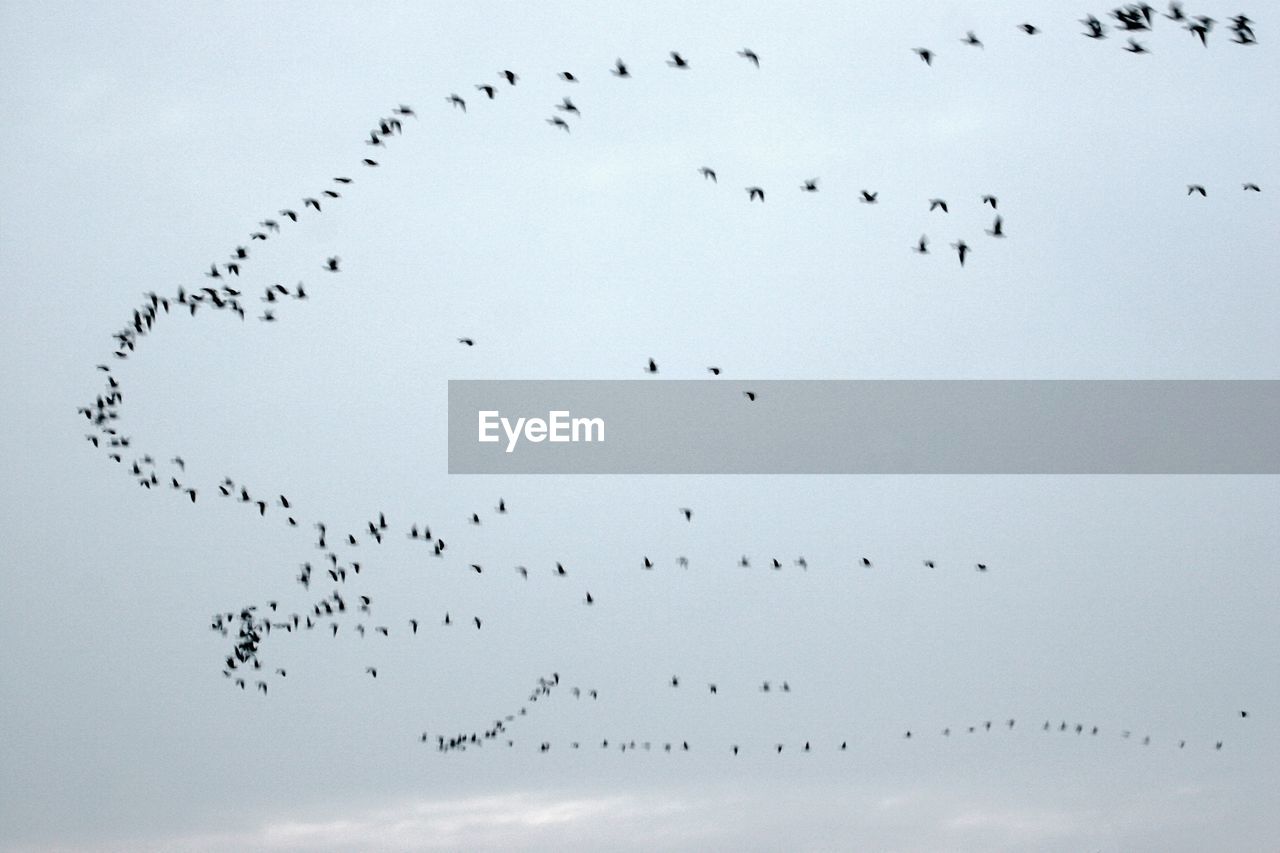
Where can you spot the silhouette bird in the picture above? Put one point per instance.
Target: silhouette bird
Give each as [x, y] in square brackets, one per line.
[1197, 188]
[971, 39]
[754, 193]
[510, 77]
[750, 395]
[750, 56]
[991, 200]
[869, 197]
[1029, 29]
[619, 69]
[487, 89]
[1097, 30]
[568, 77]
[466, 342]
[1134, 47]
[687, 513]
[331, 264]
[457, 102]
[714, 371]
[708, 173]
[652, 367]
[925, 54]
[935, 203]
[567, 106]
[997, 228]
[1251, 188]
[372, 671]
[677, 61]
[962, 249]
[556, 121]
[922, 247]
[810, 186]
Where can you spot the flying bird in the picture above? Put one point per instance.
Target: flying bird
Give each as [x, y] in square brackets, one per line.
[962, 249]
[925, 54]
[708, 173]
[677, 61]
[755, 192]
[750, 55]
[619, 69]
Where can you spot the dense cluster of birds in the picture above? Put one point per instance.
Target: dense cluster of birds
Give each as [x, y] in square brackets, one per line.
[338, 567]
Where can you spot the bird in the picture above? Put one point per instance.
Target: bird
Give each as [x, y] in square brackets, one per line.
[331, 264]
[556, 121]
[962, 249]
[1197, 188]
[922, 247]
[1029, 29]
[687, 513]
[971, 39]
[476, 619]
[750, 55]
[589, 599]
[708, 173]
[677, 61]
[991, 200]
[1135, 47]
[750, 395]
[467, 342]
[1097, 30]
[510, 77]
[810, 186]
[568, 77]
[567, 106]
[997, 228]
[869, 197]
[714, 371]
[754, 193]
[487, 89]
[372, 671]
[457, 102]
[619, 69]
[1251, 188]
[652, 367]
[935, 203]
[925, 54]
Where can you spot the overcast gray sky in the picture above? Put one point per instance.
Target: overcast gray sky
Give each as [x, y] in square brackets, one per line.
[144, 141]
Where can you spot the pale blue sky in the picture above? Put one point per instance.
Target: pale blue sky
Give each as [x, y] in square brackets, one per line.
[144, 141]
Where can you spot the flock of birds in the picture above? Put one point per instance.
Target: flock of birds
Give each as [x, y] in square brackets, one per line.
[338, 567]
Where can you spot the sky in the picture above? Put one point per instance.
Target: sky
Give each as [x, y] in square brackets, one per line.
[144, 141]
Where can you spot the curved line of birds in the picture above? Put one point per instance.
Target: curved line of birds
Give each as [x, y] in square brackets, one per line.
[499, 730]
[104, 412]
